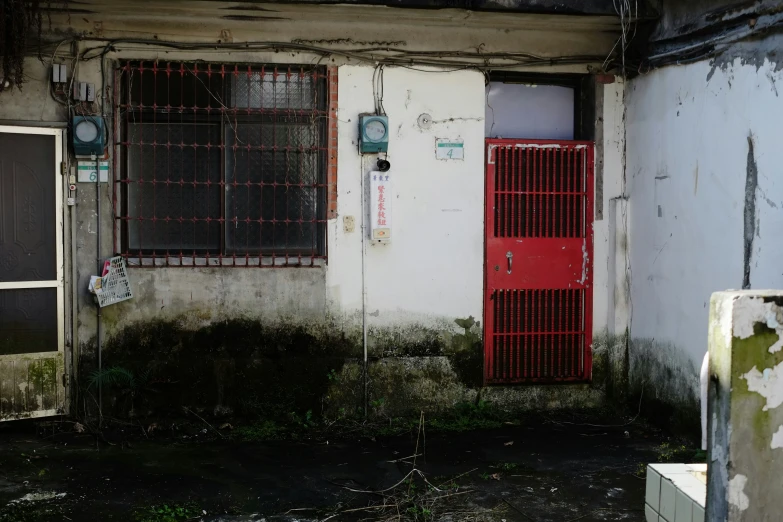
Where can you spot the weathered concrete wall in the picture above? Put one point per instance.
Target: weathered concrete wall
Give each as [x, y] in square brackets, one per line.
[611, 299]
[236, 339]
[433, 268]
[746, 392]
[678, 17]
[705, 209]
[344, 27]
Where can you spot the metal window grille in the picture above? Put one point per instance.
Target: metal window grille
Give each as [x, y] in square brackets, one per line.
[221, 164]
[540, 192]
[537, 335]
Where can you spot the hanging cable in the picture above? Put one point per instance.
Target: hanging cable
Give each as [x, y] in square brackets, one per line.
[454, 60]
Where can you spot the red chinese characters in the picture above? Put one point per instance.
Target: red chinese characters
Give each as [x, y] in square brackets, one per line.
[381, 205]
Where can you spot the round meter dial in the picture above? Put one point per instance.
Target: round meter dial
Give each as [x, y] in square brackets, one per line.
[375, 130]
[86, 131]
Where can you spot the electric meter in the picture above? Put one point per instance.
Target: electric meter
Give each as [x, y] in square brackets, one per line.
[88, 135]
[373, 134]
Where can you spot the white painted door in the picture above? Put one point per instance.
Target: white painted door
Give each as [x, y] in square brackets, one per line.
[32, 314]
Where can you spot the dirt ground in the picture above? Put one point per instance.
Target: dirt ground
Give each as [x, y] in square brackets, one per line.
[564, 469]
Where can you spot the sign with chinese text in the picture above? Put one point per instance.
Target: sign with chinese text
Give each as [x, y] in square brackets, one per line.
[380, 206]
[449, 149]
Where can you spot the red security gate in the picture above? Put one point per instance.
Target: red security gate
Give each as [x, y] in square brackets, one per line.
[539, 247]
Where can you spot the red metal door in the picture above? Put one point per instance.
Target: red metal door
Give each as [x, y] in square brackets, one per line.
[539, 248]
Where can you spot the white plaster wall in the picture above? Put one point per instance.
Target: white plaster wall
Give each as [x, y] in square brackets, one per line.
[687, 137]
[432, 270]
[606, 305]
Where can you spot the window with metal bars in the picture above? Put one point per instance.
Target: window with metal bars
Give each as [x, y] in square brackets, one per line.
[221, 164]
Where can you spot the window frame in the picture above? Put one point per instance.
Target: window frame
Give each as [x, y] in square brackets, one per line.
[584, 95]
[262, 255]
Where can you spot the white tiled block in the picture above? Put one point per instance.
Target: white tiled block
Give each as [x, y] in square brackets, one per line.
[698, 513]
[668, 469]
[661, 519]
[683, 480]
[649, 514]
[697, 493]
[653, 494]
[666, 509]
[683, 507]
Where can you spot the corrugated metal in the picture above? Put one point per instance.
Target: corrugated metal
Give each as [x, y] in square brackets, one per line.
[539, 244]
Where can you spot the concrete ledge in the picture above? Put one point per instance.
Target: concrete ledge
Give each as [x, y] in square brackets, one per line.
[544, 397]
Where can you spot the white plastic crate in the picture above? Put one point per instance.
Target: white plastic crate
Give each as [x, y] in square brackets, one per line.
[115, 286]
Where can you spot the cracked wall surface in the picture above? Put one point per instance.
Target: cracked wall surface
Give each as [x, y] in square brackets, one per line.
[223, 326]
[704, 197]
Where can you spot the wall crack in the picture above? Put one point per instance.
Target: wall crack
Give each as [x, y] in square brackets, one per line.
[751, 185]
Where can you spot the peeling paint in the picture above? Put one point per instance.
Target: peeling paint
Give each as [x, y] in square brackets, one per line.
[751, 310]
[736, 492]
[777, 439]
[547, 146]
[755, 52]
[768, 384]
[584, 263]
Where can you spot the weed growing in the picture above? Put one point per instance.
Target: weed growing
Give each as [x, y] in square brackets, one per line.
[167, 513]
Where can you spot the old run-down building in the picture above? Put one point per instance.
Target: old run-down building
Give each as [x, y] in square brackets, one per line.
[396, 205]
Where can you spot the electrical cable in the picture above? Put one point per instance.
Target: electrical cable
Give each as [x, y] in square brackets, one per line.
[380, 89]
[376, 105]
[376, 55]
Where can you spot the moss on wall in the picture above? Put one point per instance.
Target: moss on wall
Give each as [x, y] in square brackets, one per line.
[664, 383]
[610, 366]
[254, 369]
[748, 354]
[249, 367]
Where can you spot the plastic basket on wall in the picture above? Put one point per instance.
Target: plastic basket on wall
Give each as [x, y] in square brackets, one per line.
[115, 286]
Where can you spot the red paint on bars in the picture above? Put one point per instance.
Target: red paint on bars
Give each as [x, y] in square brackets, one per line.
[539, 249]
[224, 165]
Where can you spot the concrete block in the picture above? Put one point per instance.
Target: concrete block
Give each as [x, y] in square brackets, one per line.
[668, 499]
[670, 469]
[746, 420]
[653, 493]
[698, 513]
[683, 507]
[650, 515]
[698, 494]
[698, 468]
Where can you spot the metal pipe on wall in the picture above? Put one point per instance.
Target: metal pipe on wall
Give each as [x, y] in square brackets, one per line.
[98, 241]
[100, 272]
[74, 286]
[365, 213]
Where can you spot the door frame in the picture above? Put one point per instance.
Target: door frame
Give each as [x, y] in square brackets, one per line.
[490, 145]
[59, 283]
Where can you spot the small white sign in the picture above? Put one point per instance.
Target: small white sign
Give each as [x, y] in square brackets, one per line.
[87, 171]
[449, 149]
[380, 206]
